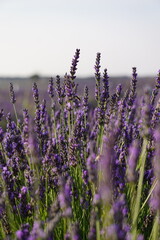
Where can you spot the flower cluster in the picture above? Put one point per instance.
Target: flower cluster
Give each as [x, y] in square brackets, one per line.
[73, 170]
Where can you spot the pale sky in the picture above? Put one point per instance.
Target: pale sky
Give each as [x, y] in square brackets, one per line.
[40, 36]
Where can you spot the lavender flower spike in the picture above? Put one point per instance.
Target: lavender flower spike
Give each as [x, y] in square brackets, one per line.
[51, 88]
[35, 94]
[155, 199]
[97, 76]
[12, 94]
[155, 90]
[1, 114]
[74, 64]
[132, 93]
[132, 161]
[105, 91]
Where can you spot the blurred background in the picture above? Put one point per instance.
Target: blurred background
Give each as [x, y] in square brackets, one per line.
[38, 40]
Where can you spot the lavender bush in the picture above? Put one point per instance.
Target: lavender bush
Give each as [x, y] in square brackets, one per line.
[75, 172]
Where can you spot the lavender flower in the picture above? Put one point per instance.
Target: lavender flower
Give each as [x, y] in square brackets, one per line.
[105, 166]
[156, 115]
[69, 170]
[155, 200]
[1, 134]
[38, 122]
[97, 76]
[92, 165]
[69, 88]
[156, 89]
[65, 198]
[35, 94]
[74, 64]
[132, 161]
[105, 90]
[23, 233]
[146, 115]
[120, 213]
[12, 142]
[12, 94]
[59, 90]
[25, 127]
[92, 230]
[85, 100]
[24, 206]
[118, 91]
[37, 232]
[133, 86]
[51, 88]
[76, 235]
[1, 114]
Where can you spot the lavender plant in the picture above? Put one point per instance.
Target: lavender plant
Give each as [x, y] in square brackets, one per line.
[71, 171]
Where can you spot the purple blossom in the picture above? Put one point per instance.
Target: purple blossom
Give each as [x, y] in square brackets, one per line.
[69, 169]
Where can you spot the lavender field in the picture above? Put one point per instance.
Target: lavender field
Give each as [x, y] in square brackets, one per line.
[80, 166]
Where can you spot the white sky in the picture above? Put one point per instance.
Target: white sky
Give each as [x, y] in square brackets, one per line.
[40, 36]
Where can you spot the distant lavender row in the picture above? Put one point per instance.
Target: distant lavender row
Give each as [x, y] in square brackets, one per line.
[74, 172]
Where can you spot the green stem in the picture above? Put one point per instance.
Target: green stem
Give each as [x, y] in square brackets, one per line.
[98, 230]
[155, 230]
[151, 190]
[142, 161]
[2, 232]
